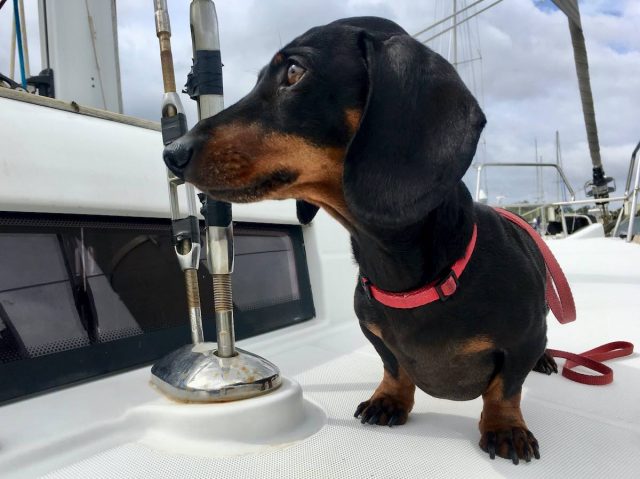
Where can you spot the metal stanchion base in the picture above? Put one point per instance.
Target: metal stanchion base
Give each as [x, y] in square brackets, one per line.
[194, 373]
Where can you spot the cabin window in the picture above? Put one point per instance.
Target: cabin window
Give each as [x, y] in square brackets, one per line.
[86, 296]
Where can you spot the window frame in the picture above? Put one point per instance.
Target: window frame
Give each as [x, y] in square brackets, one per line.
[22, 378]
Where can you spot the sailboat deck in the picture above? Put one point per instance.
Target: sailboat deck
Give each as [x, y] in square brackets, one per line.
[583, 431]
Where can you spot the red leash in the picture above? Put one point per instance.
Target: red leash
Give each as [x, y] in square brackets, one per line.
[592, 359]
[560, 300]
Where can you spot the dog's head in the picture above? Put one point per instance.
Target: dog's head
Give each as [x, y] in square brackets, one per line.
[355, 116]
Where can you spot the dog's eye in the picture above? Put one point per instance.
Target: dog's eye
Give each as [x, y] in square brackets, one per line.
[295, 73]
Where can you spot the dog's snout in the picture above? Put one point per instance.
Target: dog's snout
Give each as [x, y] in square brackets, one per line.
[177, 156]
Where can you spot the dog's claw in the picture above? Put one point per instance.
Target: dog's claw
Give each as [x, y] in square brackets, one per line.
[365, 418]
[511, 443]
[520, 437]
[369, 414]
[384, 411]
[534, 445]
[361, 407]
[512, 452]
[375, 418]
[491, 444]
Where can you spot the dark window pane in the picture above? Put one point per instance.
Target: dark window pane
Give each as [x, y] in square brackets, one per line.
[35, 295]
[91, 295]
[44, 318]
[136, 275]
[267, 270]
[29, 259]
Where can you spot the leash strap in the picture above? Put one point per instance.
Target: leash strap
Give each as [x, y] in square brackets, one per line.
[558, 293]
[592, 359]
[560, 300]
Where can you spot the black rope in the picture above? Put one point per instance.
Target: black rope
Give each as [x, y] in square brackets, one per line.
[12, 84]
[46, 33]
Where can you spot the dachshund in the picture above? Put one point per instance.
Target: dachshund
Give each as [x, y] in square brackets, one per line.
[360, 119]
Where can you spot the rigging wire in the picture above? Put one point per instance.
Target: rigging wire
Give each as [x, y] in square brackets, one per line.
[16, 16]
[25, 37]
[45, 22]
[12, 57]
[475, 14]
[445, 19]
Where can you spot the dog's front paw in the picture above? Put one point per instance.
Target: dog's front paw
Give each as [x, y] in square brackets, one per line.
[515, 444]
[383, 410]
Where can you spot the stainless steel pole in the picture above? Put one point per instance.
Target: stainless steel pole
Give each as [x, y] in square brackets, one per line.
[205, 86]
[634, 199]
[185, 231]
[205, 372]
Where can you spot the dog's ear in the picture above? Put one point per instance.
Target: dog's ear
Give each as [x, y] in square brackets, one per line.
[417, 135]
[305, 211]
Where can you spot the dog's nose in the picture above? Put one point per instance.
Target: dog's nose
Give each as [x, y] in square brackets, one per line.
[177, 156]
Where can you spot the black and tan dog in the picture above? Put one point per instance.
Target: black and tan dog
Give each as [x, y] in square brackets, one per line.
[360, 119]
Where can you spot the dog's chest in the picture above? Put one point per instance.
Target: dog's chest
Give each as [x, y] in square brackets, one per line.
[447, 371]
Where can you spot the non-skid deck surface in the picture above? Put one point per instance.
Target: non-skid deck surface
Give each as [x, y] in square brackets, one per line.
[584, 432]
[579, 437]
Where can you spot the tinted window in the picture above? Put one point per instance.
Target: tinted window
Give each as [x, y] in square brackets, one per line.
[95, 295]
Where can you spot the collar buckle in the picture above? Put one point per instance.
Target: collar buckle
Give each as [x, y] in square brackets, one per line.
[447, 286]
[366, 286]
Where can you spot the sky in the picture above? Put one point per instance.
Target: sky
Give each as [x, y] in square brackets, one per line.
[526, 81]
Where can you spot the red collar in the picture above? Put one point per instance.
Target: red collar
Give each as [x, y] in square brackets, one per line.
[427, 294]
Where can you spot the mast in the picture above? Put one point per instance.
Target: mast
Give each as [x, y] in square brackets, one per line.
[79, 48]
[599, 185]
[455, 34]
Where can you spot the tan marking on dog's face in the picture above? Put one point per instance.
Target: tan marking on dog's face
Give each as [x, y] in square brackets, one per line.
[278, 58]
[352, 118]
[476, 345]
[244, 163]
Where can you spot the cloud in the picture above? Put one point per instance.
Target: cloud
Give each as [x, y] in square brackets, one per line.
[526, 82]
[530, 87]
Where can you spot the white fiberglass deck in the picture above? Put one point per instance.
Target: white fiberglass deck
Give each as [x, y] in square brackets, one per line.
[583, 431]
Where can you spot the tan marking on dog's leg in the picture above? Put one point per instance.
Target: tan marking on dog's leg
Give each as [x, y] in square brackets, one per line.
[498, 412]
[401, 388]
[391, 402]
[503, 431]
